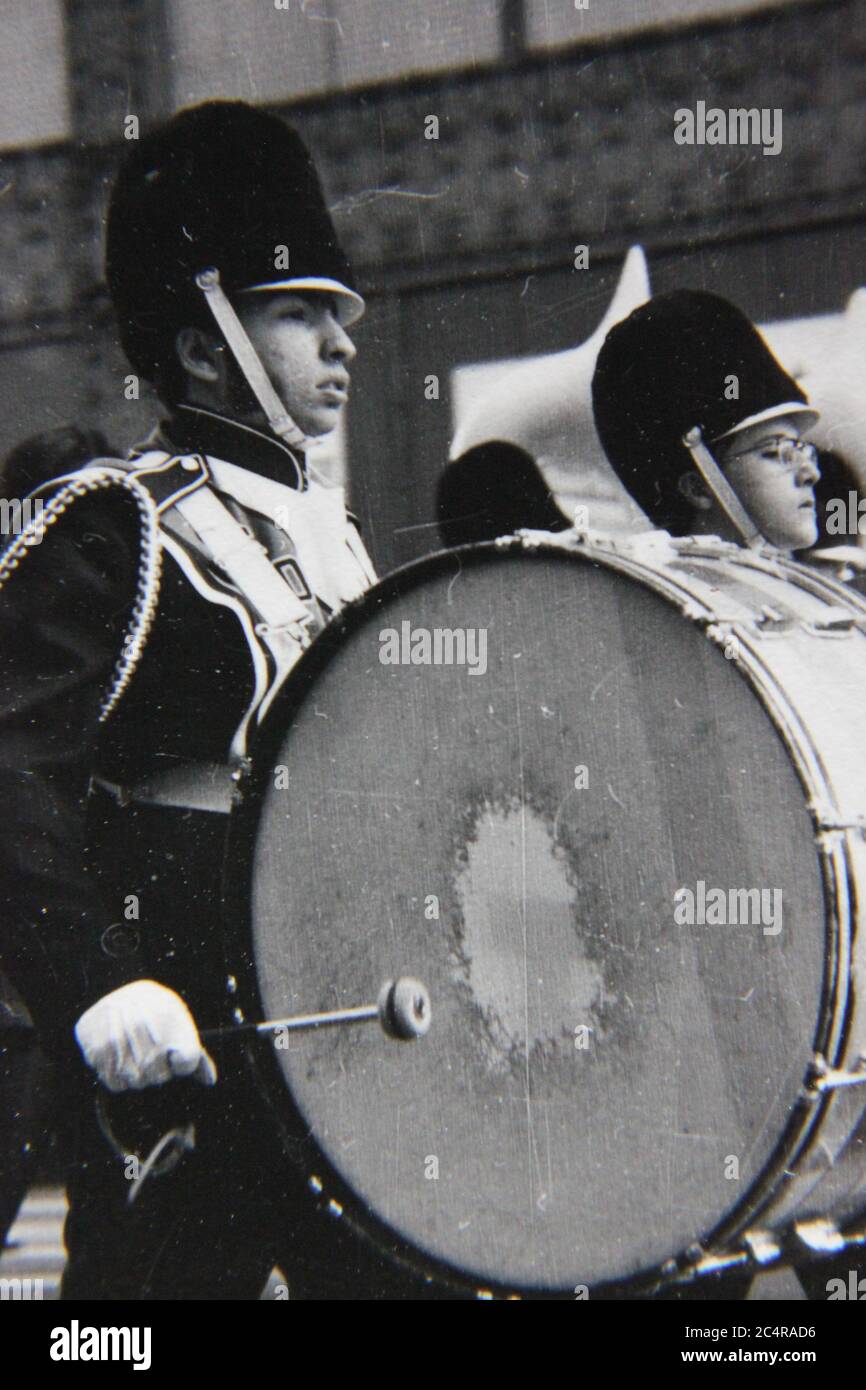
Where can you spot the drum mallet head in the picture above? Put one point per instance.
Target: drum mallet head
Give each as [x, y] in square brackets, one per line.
[404, 1008]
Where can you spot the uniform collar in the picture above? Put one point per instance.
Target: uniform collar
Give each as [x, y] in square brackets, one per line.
[271, 499]
[192, 429]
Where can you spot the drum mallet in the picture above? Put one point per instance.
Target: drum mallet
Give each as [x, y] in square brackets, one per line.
[402, 1009]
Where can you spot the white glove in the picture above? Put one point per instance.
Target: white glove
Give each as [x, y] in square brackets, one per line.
[142, 1035]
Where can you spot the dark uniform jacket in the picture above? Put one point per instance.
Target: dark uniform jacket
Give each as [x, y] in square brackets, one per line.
[112, 849]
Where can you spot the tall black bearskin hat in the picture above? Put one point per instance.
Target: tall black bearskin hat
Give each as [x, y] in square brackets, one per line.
[684, 359]
[222, 185]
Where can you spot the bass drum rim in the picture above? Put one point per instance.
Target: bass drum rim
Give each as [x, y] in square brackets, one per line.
[330, 1193]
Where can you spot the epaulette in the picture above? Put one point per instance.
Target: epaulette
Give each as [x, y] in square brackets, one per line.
[168, 480]
[56, 497]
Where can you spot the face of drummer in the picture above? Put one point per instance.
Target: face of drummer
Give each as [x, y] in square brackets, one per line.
[773, 472]
[305, 352]
[303, 348]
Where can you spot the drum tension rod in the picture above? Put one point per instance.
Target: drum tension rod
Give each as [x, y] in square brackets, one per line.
[825, 817]
[402, 1009]
[822, 1077]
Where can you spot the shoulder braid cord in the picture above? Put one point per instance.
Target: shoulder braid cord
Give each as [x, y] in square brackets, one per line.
[147, 578]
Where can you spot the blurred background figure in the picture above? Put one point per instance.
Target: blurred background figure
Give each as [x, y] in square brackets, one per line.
[493, 490]
[47, 455]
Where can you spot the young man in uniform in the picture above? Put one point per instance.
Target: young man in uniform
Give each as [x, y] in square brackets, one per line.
[144, 639]
[691, 362]
[690, 366]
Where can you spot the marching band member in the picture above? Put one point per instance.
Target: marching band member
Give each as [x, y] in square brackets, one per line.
[492, 490]
[689, 363]
[144, 638]
[705, 429]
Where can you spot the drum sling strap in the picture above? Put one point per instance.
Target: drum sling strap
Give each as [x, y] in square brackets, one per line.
[180, 487]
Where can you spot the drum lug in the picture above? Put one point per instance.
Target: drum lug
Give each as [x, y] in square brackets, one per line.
[317, 1187]
[771, 620]
[239, 773]
[836, 623]
[702, 546]
[762, 1247]
[723, 635]
[699, 1263]
[822, 1077]
[529, 540]
[768, 623]
[716, 1264]
[829, 822]
[820, 1236]
[327, 1204]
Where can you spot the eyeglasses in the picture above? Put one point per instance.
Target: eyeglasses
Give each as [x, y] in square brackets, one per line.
[790, 453]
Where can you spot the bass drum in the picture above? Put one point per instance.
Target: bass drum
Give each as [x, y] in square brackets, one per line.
[619, 837]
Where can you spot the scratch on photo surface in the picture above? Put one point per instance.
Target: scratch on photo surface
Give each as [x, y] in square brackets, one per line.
[323, 18]
[366, 196]
[605, 678]
[726, 173]
[796, 1064]
[582, 299]
[453, 581]
[421, 526]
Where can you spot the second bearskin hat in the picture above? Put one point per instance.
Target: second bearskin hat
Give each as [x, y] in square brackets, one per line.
[224, 185]
[684, 359]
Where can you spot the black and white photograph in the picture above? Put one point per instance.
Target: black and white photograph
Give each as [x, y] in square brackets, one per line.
[433, 663]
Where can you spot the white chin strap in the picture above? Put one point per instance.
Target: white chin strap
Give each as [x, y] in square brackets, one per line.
[247, 359]
[721, 489]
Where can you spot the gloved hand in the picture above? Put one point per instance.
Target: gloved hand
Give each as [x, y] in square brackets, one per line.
[141, 1035]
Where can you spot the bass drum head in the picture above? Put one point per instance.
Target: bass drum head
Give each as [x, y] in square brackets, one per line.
[602, 1083]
